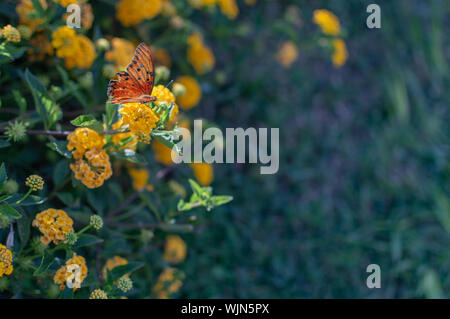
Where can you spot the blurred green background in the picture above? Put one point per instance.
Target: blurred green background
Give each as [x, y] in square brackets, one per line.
[364, 171]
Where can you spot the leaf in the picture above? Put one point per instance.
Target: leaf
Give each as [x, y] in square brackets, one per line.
[88, 121]
[111, 114]
[87, 240]
[221, 200]
[3, 175]
[4, 143]
[59, 146]
[46, 261]
[167, 138]
[45, 106]
[196, 188]
[131, 156]
[20, 101]
[23, 228]
[4, 198]
[8, 211]
[60, 172]
[119, 271]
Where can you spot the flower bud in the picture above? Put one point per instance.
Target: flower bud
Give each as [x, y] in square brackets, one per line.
[98, 294]
[125, 284]
[35, 182]
[71, 238]
[102, 44]
[178, 89]
[96, 221]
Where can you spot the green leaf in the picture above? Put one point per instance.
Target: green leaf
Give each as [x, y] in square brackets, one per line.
[45, 106]
[9, 211]
[4, 198]
[23, 228]
[196, 188]
[20, 101]
[61, 172]
[130, 156]
[88, 121]
[87, 240]
[168, 138]
[39, 9]
[221, 200]
[3, 175]
[111, 114]
[46, 261]
[119, 271]
[59, 146]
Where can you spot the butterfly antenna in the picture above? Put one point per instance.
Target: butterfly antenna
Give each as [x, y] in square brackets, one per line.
[171, 81]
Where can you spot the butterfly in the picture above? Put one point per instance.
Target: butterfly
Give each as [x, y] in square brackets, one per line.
[134, 85]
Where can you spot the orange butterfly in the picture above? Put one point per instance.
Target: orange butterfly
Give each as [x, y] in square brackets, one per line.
[136, 84]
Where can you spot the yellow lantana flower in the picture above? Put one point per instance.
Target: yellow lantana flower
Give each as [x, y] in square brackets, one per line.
[83, 139]
[203, 173]
[168, 283]
[199, 55]
[93, 169]
[131, 12]
[193, 92]
[73, 273]
[54, 224]
[140, 118]
[327, 21]
[175, 249]
[27, 13]
[287, 54]
[340, 54]
[121, 53]
[113, 263]
[6, 267]
[139, 177]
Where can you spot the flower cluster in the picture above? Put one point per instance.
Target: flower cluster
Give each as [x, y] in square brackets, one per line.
[73, 273]
[139, 177]
[192, 94]
[28, 15]
[35, 182]
[163, 95]
[175, 249]
[203, 173]
[131, 12]
[98, 294]
[140, 119]
[168, 282]
[10, 33]
[6, 267]
[54, 224]
[117, 138]
[287, 54]
[228, 7]
[92, 165]
[329, 24]
[121, 53]
[76, 50]
[93, 169]
[199, 55]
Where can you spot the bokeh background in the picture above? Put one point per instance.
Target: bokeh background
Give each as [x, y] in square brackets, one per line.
[364, 171]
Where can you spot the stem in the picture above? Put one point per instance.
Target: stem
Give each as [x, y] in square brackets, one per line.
[65, 133]
[24, 197]
[84, 229]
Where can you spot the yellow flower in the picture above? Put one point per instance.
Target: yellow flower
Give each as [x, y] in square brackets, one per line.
[112, 263]
[10, 33]
[327, 21]
[229, 8]
[140, 118]
[203, 173]
[162, 153]
[76, 50]
[74, 271]
[87, 16]
[139, 177]
[65, 3]
[6, 267]
[98, 294]
[54, 224]
[168, 283]
[193, 92]
[175, 249]
[121, 53]
[200, 56]
[340, 54]
[287, 54]
[35, 182]
[131, 12]
[163, 95]
[93, 169]
[83, 139]
[27, 13]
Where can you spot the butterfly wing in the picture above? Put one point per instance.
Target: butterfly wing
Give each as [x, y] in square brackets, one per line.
[136, 84]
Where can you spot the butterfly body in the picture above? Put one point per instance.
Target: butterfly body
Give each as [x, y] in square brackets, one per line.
[134, 85]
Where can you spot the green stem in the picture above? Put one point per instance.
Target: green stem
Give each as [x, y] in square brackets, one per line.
[24, 197]
[84, 229]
